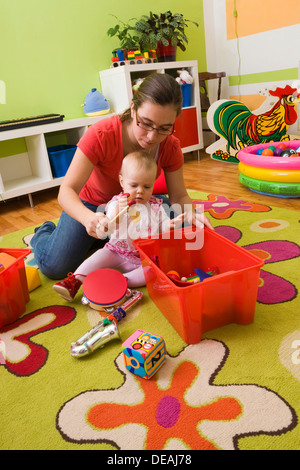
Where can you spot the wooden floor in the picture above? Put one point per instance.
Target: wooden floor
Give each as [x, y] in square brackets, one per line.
[206, 175]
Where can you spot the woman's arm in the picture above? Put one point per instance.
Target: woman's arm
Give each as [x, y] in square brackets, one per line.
[178, 195]
[68, 197]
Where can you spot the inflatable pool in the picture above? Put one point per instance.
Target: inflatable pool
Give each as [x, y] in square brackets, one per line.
[272, 168]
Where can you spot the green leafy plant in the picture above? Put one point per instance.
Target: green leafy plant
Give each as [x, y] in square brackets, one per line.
[125, 32]
[165, 27]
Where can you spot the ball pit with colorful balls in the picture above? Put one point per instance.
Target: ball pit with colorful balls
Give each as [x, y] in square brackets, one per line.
[281, 150]
[271, 168]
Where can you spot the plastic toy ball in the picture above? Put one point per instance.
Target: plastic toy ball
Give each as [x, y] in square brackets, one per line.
[267, 152]
[259, 151]
[173, 275]
[277, 152]
[282, 145]
[287, 153]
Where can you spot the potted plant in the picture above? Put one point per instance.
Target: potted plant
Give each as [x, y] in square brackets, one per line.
[125, 32]
[163, 32]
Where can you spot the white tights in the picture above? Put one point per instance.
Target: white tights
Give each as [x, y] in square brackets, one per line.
[105, 258]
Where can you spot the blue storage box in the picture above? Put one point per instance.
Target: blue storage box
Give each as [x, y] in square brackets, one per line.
[60, 158]
[186, 90]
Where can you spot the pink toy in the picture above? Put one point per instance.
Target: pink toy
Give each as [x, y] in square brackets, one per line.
[144, 353]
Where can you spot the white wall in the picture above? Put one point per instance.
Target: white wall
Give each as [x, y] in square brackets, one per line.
[269, 51]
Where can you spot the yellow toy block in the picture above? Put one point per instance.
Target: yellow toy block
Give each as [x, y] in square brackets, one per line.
[33, 278]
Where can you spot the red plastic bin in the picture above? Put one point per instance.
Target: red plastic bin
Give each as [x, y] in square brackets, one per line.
[228, 297]
[13, 287]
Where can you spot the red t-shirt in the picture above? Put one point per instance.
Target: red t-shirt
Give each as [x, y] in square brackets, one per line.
[102, 145]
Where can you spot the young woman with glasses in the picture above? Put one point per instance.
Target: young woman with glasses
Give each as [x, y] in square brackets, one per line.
[93, 176]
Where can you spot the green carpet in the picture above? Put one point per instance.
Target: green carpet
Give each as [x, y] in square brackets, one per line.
[236, 389]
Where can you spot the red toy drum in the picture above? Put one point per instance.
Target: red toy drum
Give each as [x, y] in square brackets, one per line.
[104, 288]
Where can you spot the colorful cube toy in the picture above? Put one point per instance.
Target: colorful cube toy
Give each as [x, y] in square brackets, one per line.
[144, 353]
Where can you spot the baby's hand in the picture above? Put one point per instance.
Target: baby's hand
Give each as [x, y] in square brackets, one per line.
[122, 205]
[121, 208]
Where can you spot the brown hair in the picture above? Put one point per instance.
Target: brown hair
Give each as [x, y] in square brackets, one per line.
[159, 88]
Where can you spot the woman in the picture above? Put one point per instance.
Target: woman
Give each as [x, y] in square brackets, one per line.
[93, 176]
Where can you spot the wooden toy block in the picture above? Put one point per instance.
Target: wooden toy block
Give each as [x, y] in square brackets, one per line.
[33, 278]
[144, 353]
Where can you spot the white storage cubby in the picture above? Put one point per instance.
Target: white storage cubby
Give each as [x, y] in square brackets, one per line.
[116, 84]
[28, 172]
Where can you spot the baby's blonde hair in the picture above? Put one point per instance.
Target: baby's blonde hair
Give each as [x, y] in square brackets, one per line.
[141, 159]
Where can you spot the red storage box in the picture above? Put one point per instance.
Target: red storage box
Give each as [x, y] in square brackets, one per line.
[228, 297]
[13, 286]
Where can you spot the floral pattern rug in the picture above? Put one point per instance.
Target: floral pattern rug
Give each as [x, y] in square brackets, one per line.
[236, 389]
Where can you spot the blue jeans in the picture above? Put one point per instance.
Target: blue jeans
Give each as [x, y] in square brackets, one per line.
[60, 249]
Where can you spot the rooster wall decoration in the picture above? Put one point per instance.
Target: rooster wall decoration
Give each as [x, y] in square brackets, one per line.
[239, 127]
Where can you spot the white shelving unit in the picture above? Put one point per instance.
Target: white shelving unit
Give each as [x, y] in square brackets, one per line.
[28, 172]
[116, 84]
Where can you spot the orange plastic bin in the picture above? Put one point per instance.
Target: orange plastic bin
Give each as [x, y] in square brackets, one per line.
[13, 286]
[228, 297]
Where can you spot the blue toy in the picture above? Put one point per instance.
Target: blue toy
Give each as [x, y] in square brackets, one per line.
[202, 274]
[144, 353]
[95, 103]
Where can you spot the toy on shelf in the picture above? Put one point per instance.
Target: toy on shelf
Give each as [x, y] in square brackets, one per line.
[184, 77]
[273, 169]
[104, 289]
[185, 80]
[95, 103]
[144, 353]
[133, 57]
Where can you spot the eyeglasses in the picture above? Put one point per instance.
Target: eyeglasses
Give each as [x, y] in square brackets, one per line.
[159, 130]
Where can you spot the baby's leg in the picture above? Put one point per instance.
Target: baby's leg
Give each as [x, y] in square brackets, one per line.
[135, 277]
[103, 258]
[133, 272]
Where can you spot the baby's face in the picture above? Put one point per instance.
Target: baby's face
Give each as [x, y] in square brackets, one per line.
[138, 183]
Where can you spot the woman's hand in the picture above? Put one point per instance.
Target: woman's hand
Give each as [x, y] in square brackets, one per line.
[199, 219]
[96, 225]
[178, 195]
[177, 221]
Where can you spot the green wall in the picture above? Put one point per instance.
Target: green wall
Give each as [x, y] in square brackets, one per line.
[52, 50]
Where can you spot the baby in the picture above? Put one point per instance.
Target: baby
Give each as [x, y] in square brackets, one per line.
[135, 213]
